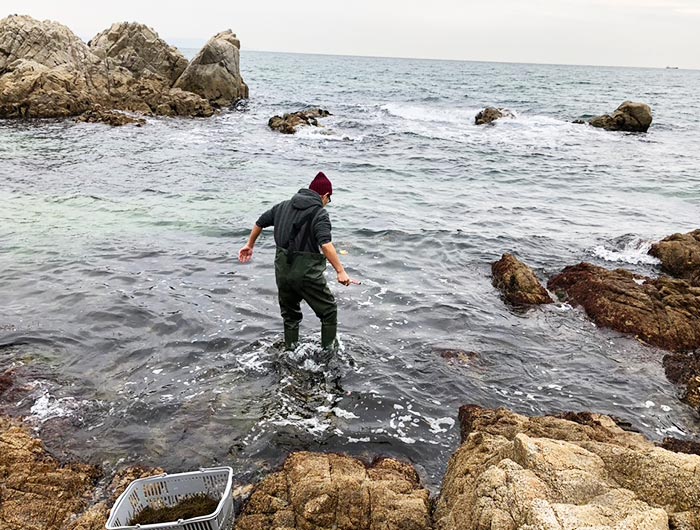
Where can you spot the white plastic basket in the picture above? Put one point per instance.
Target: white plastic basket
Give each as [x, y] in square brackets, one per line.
[169, 490]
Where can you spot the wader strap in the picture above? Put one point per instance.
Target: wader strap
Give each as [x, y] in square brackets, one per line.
[296, 228]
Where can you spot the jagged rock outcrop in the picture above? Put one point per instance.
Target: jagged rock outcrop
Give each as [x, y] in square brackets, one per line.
[289, 123]
[36, 491]
[664, 312]
[214, 74]
[139, 49]
[680, 255]
[518, 282]
[629, 116]
[48, 72]
[491, 114]
[514, 472]
[327, 491]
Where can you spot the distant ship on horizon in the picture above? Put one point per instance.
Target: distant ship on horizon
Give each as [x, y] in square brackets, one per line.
[671, 68]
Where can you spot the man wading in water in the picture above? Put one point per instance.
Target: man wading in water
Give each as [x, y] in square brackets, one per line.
[303, 238]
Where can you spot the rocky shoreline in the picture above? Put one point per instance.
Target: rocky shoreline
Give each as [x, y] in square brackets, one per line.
[577, 470]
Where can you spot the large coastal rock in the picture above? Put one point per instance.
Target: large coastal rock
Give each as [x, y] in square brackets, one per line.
[664, 312]
[139, 49]
[48, 72]
[36, 491]
[630, 116]
[518, 282]
[290, 122]
[514, 472]
[326, 491]
[491, 114]
[214, 73]
[680, 255]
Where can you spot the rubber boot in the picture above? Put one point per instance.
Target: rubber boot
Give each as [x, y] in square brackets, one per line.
[329, 343]
[291, 338]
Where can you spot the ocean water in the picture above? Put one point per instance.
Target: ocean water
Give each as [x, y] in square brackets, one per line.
[134, 336]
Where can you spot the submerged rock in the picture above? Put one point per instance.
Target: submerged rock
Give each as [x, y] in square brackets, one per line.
[289, 123]
[630, 116]
[548, 473]
[664, 312]
[36, 491]
[458, 356]
[518, 282]
[680, 255]
[491, 114]
[214, 74]
[109, 117]
[48, 72]
[327, 491]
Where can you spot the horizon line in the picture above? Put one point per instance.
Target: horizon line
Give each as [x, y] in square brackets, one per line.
[403, 57]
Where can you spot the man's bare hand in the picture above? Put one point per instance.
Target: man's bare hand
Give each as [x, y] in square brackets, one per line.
[245, 254]
[344, 278]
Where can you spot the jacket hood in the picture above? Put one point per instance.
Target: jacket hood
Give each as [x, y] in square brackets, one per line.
[305, 199]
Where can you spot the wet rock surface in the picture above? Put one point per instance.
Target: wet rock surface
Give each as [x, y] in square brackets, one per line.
[684, 370]
[681, 446]
[289, 123]
[36, 491]
[109, 117]
[46, 71]
[328, 491]
[491, 114]
[664, 312]
[629, 116]
[518, 282]
[514, 472]
[680, 255]
[95, 518]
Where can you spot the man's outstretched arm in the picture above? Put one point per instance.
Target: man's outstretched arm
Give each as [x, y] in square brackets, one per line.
[246, 253]
[332, 256]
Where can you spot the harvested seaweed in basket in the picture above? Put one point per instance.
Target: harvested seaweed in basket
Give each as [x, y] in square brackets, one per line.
[194, 506]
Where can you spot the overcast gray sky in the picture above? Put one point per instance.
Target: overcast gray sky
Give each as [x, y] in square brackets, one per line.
[603, 32]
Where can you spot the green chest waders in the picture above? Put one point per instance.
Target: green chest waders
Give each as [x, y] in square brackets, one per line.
[300, 276]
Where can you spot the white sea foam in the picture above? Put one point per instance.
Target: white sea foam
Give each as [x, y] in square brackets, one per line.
[436, 424]
[48, 407]
[344, 414]
[430, 114]
[635, 251]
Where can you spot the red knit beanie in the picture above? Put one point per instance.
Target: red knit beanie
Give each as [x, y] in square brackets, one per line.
[321, 184]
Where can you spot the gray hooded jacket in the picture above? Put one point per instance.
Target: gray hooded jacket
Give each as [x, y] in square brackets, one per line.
[283, 216]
